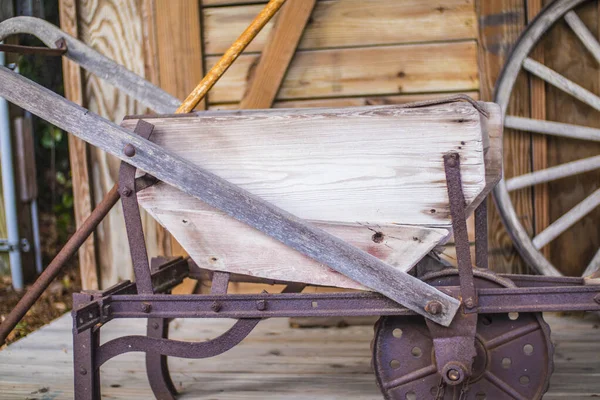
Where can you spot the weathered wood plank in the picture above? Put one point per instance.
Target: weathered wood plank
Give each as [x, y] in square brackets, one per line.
[277, 55]
[274, 362]
[539, 143]
[218, 242]
[323, 164]
[352, 23]
[244, 206]
[180, 62]
[500, 23]
[113, 28]
[405, 69]
[78, 154]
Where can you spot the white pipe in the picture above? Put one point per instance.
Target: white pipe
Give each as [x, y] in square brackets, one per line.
[37, 246]
[8, 187]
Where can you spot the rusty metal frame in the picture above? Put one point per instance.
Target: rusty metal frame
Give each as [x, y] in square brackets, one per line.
[150, 298]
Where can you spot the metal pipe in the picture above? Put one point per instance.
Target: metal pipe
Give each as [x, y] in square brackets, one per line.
[10, 200]
[37, 245]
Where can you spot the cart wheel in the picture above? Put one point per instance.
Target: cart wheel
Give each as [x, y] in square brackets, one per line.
[528, 247]
[514, 354]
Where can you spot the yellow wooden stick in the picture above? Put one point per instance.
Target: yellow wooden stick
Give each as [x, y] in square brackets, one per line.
[230, 56]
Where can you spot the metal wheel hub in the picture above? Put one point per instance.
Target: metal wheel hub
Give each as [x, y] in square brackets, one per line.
[513, 361]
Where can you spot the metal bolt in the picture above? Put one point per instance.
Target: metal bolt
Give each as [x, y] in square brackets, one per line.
[261, 305]
[146, 307]
[434, 307]
[469, 303]
[129, 150]
[83, 371]
[107, 309]
[597, 298]
[453, 375]
[155, 325]
[215, 306]
[126, 192]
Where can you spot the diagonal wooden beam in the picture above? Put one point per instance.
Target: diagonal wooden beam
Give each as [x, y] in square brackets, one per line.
[234, 201]
[277, 54]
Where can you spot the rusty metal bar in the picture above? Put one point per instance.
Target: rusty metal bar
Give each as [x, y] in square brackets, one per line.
[69, 249]
[60, 50]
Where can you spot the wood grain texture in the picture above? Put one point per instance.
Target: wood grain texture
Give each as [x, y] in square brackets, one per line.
[78, 154]
[114, 28]
[218, 242]
[277, 54]
[352, 23]
[539, 143]
[238, 203]
[323, 164]
[180, 62]
[357, 101]
[572, 251]
[275, 362]
[500, 23]
[405, 69]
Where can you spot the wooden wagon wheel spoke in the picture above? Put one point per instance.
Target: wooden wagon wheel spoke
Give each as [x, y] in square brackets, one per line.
[552, 128]
[562, 83]
[567, 220]
[522, 59]
[553, 173]
[594, 265]
[584, 34]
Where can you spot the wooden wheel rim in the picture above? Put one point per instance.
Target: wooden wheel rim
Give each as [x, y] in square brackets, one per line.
[504, 86]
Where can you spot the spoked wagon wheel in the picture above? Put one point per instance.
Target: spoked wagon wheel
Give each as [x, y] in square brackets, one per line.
[520, 58]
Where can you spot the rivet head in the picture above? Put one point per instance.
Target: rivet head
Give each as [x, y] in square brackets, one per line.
[83, 371]
[129, 150]
[155, 325]
[469, 303]
[434, 307]
[126, 192]
[146, 307]
[215, 306]
[261, 305]
[453, 375]
[597, 298]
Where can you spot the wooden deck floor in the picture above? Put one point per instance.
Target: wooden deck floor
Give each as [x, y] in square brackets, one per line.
[274, 362]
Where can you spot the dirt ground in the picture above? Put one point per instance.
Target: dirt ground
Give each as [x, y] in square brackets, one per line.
[53, 303]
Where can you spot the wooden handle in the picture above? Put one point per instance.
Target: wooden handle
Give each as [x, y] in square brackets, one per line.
[230, 56]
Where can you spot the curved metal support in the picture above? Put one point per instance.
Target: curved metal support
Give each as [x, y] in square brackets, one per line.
[94, 62]
[174, 348]
[157, 368]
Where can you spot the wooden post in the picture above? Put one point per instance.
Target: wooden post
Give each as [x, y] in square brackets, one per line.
[78, 153]
[500, 23]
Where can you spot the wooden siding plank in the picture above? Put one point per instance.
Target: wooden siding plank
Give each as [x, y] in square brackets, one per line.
[500, 23]
[277, 55]
[351, 23]
[389, 70]
[115, 29]
[180, 59]
[78, 154]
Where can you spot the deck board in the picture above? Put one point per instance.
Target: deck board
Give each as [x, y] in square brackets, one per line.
[274, 362]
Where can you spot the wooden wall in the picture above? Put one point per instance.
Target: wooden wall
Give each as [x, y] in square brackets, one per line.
[352, 52]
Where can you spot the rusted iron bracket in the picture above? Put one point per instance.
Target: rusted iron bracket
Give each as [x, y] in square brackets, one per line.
[459, 229]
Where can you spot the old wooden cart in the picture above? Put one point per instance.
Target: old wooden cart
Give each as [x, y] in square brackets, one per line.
[368, 194]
